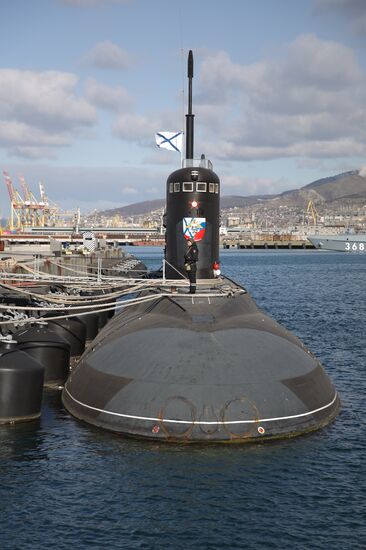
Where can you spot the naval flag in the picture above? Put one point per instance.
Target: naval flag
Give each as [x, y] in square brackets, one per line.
[170, 140]
[194, 228]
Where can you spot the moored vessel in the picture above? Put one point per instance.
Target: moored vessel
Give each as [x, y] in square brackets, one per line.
[207, 367]
[347, 242]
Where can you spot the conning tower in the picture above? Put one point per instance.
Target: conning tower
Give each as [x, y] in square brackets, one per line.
[192, 206]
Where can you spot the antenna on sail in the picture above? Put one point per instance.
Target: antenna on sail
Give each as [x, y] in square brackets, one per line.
[189, 116]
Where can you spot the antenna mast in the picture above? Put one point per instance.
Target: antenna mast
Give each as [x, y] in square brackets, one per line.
[189, 116]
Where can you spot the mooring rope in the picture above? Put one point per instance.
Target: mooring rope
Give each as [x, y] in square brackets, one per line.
[30, 320]
[58, 298]
[102, 307]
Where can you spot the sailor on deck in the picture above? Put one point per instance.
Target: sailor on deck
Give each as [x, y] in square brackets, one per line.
[190, 264]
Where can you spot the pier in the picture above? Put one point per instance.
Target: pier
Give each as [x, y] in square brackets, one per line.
[142, 236]
[262, 244]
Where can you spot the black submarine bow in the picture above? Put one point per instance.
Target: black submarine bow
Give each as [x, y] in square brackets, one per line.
[192, 206]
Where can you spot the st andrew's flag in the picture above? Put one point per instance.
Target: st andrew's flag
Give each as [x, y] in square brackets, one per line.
[173, 141]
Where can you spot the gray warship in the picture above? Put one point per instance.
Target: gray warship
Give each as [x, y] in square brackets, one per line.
[346, 242]
[208, 367]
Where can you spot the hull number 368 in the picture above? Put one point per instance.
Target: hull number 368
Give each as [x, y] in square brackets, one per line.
[355, 247]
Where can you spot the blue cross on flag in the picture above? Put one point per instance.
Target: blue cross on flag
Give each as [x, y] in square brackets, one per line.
[173, 141]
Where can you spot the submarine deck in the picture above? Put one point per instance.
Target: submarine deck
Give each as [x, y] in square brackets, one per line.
[209, 366]
[221, 286]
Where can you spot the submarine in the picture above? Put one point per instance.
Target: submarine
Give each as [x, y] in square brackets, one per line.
[209, 367]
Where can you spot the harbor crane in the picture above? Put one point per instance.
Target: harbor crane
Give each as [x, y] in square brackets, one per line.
[51, 210]
[27, 211]
[34, 210]
[17, 207]
[311, 213]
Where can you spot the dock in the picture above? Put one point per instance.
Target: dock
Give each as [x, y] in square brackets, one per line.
[262, 244]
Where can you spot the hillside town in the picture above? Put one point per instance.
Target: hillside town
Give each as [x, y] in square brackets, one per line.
[324, 206]
[332, 206]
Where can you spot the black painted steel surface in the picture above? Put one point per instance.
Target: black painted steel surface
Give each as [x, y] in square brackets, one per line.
[91, 322]
[21, 385]
[211, 368]
[180, 205]
[214, 369]
[71, 329]
[49, 349]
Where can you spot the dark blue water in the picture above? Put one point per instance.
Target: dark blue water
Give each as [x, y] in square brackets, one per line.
[66, 485]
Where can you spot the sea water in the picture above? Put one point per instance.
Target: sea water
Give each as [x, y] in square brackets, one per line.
[64, 484]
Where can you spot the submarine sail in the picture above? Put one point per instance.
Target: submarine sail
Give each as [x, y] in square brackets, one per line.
[192, 206]
[205, 368]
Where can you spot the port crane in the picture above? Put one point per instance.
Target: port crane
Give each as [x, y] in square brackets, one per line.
[51, 210]
[34, 210]
[17, 206]
[27, 211]
[311, 213]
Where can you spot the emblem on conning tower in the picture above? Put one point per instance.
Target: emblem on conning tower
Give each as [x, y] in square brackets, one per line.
[194, 228]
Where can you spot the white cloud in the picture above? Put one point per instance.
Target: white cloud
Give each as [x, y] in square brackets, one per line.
[43, 99]
[107, 97]
[313, 149]
[309, 104]
[246, 185]
[13, 132]
[40, 110]
[107, 55]
[324, 64]
[136, 128]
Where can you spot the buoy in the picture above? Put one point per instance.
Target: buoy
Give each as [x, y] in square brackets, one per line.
[21, 384]
[49, 349]
[91, 322]
[103, 319]
[111, 312]
[71, 329]
[103, 316]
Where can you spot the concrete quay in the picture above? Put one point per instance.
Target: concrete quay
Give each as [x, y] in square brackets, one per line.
[257, 244]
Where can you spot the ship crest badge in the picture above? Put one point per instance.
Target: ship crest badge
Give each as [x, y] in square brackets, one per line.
[194, 228]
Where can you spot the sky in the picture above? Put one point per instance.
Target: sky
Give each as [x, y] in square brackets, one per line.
[279, 94]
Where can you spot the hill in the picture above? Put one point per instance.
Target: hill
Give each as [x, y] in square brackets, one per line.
[136, 208]
[348, 186]
[340, 186]
[139, 208]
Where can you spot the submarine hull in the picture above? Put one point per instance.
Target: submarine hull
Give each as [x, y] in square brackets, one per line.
[213, 369]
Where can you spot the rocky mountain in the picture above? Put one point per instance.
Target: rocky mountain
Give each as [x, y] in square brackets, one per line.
[135, 209]
[139, 208]
[347, 187]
